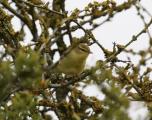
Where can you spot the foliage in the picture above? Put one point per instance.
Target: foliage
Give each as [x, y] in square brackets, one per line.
[28, 84]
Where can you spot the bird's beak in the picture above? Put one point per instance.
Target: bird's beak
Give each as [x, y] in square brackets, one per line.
[90, 52]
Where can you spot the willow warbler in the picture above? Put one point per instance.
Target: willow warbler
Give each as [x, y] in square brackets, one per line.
[74, 62]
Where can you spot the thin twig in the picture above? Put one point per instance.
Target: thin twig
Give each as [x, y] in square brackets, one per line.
[43, 7]
[132, 84]
[71, 82]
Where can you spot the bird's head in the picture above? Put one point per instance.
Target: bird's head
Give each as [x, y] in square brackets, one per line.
[83, 49]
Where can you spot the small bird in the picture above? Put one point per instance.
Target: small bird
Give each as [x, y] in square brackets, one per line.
[73, 63]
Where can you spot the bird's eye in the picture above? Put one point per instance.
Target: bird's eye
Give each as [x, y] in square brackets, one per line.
[83, 48]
